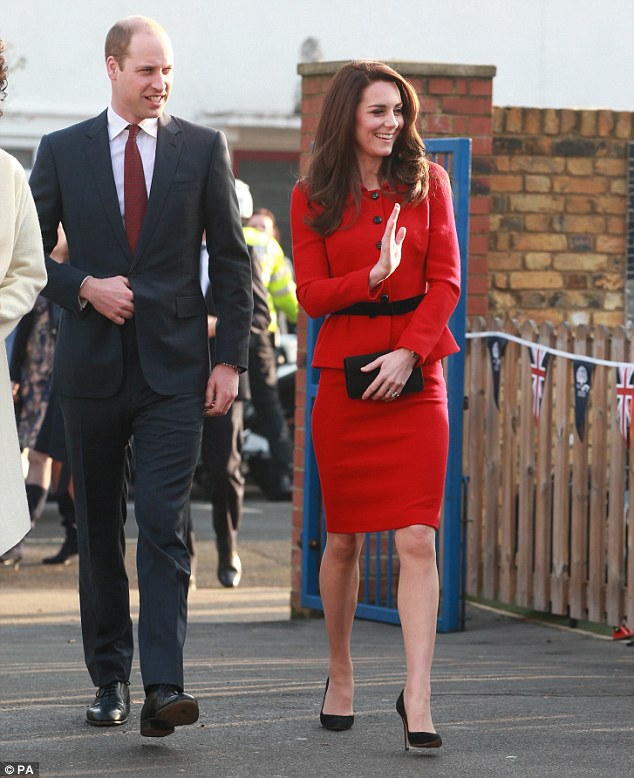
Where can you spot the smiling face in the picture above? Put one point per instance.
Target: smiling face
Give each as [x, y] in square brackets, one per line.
[142, 85]
[378, 121]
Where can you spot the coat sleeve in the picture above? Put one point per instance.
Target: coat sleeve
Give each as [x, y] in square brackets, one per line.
[442, 269]
[25, 275]
[229, 261]
[318, 292]
[64, 280]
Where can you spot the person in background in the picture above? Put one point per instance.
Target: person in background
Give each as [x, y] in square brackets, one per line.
[134, 189]
[376, 253]
[277, 270]
[221, 448]
[264, 220]
[280, 288]
[40, 420]
[22, 276]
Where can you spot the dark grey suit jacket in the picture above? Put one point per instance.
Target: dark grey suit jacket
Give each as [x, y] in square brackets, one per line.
[192, 190]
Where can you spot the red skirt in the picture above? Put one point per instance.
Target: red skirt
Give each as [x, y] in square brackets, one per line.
[381, 465]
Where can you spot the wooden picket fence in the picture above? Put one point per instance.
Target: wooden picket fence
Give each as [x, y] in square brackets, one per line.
[548, 521]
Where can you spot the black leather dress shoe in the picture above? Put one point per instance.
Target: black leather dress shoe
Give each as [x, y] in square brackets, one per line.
[230, 570]
[166, 707]
[111, 705]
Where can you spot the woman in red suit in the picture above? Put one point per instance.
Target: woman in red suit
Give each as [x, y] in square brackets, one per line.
[376, 252]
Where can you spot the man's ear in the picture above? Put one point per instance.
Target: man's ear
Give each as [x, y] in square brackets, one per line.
[112, 68]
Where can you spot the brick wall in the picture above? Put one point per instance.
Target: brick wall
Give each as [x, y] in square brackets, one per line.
[558, 214]
[456, 101]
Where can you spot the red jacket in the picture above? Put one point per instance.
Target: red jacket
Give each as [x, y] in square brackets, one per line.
[332, 273]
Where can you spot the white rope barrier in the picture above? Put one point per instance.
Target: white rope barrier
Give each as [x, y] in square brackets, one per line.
[555, 352]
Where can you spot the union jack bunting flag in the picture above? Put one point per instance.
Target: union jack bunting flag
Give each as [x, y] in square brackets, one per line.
[539, 362]
[624, 394]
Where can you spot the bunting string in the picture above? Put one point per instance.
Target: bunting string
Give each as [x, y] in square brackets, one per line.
[582, 366]
[555, 352]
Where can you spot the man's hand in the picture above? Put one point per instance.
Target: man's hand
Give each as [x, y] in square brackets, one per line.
[222, 390]
[112, 297]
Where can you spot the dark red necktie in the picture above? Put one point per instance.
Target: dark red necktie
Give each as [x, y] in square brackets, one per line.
[134, 191]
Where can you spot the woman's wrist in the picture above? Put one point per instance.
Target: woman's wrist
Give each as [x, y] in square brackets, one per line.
[377, 276]
[414, 357]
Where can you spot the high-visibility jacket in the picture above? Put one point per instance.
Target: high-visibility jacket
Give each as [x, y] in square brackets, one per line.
[276, 274]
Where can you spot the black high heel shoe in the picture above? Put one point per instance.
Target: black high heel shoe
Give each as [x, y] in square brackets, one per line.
[416, 739]
[332, 721]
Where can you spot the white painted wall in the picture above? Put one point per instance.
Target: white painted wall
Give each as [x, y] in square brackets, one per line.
[241, 55]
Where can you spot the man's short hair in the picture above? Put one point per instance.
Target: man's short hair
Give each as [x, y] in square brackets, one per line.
[120, 34]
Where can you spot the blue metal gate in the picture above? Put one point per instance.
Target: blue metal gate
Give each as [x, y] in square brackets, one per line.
[378, 562]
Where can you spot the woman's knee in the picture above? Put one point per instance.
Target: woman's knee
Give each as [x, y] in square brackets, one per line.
[344, 547]
[418, 540]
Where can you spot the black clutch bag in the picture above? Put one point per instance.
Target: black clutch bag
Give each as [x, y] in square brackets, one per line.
[357, 382]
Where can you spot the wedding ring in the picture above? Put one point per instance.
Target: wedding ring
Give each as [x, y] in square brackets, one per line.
[394, 394]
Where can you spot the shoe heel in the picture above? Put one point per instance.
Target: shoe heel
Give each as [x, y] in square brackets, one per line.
[155, 728]
[416, 739]
[400, 709]
[405, 740]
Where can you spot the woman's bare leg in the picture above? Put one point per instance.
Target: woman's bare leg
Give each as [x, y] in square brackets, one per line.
[418, 610]
[339, 588]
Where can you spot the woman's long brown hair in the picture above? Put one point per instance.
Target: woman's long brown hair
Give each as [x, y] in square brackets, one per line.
[333, 173]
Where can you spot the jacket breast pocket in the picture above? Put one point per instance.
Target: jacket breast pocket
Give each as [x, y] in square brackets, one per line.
[190, 306]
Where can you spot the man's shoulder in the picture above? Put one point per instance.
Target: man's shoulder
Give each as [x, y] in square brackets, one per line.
[86, 127]
[191, 128]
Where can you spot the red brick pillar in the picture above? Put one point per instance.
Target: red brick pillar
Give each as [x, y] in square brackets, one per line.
[456, 101]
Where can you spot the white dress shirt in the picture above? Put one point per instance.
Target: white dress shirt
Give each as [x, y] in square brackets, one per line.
[146, 141]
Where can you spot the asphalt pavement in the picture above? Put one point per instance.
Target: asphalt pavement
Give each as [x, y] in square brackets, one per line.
[511, 696]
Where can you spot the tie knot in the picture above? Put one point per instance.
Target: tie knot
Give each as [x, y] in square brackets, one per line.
[133, 131]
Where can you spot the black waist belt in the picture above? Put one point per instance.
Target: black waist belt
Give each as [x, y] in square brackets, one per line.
[383, 308]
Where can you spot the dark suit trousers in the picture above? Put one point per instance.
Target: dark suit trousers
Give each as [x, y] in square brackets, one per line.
[167, 432]
[265, 397]
[222, 458]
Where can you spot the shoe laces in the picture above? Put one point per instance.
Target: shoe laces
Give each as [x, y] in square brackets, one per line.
[166, 688]
[109, 690]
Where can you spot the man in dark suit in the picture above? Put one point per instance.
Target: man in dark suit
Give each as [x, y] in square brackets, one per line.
[134, 189]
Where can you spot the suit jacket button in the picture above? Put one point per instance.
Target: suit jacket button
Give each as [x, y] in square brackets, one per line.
[375, 195]
[377, 220]
[378, 244]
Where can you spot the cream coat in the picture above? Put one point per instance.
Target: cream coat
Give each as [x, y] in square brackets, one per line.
[22, 276]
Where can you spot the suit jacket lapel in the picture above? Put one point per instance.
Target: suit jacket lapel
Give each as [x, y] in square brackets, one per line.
[168, 148]
[98, 153]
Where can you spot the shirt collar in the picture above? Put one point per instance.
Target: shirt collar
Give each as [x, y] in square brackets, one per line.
[116, 125]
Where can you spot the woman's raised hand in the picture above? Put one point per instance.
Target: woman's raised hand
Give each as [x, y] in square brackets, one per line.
[390, 257]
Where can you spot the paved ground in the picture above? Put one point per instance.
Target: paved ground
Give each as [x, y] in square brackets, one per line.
[510, 697]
